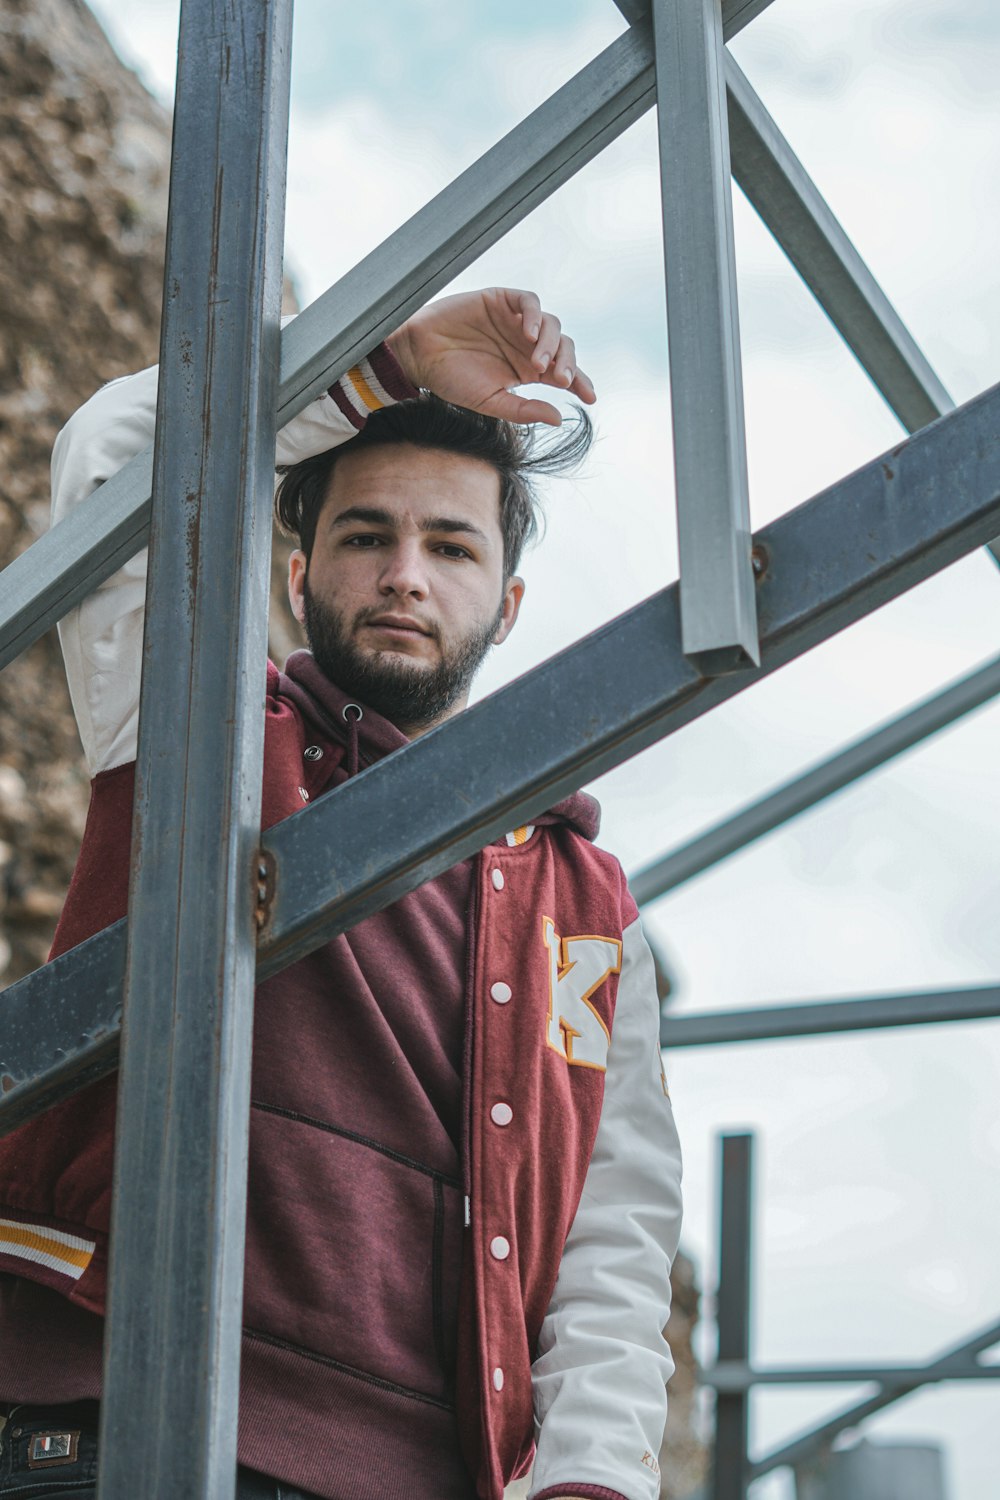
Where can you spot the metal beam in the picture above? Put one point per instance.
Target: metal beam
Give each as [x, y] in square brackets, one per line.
[463, 221]
[730, 1466]
[513, 755]
[61, 1027]
[175, 1291]
[378, 294]
[803, 1448]
[736, 1375]
[823, 1017]
[796, 213]
[789, 203]
[918, 508]
[735, 13]
[717, 598]
[820, 781]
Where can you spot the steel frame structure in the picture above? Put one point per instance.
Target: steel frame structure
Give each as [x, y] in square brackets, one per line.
[237, 904]
[733, 1376]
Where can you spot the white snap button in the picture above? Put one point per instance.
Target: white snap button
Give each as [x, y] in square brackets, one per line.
[497, 878]
[499, 1247]
[498, 1379]
[303, 794]
[313, 752]
[501, 1114]
[501, 992]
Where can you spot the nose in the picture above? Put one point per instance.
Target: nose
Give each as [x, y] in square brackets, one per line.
[404, 571]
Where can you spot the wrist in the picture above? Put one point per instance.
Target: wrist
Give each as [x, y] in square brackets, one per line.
[400, 345]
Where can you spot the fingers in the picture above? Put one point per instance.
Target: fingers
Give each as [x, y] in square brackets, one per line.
[563, 371]
[521, 409]
[546, 351]
[583, 387]
[530, 309]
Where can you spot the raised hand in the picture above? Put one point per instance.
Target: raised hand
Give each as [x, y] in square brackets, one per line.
[473, 348]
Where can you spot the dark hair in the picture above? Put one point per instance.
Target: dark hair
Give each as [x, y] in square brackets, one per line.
[428, 422]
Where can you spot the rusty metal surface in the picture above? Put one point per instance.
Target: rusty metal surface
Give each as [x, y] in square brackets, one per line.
[865, 539]
[858, 544]
[171, 1357]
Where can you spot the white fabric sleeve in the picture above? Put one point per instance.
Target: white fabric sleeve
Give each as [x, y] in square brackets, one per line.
[102, 638]
[600, 1376]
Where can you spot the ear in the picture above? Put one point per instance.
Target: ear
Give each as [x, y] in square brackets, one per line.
[297, 566]
[513, 594]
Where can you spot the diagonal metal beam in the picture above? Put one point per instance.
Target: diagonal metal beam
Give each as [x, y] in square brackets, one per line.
[535, 158]
[796, 213]
[732, 1375]
[789, 203]
[918, 508]
[378, 294]
[822, 1017]
[463, 221]
[814, 240]
[821, 781]
[803, 1448]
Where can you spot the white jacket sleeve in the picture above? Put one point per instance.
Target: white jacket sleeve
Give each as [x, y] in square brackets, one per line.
[102, 638]
[600, 1376]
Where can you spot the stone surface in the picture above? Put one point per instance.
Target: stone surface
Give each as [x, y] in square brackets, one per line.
[84, 154]
[84, 165]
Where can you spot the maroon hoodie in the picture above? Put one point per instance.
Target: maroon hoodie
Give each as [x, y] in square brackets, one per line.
[401, 1248]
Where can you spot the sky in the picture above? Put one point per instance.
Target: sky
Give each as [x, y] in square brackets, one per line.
[877, 1211]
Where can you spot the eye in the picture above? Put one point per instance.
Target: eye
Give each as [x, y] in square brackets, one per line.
[452, 550]
[365, 540]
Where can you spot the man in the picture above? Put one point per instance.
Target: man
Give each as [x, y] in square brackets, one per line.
[464, 1177]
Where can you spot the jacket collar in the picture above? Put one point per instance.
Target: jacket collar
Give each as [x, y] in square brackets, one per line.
[323, 704]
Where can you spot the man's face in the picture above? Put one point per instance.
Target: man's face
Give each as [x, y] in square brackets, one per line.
[405, 590]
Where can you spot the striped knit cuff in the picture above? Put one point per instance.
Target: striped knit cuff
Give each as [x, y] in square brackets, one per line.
[376, 382]
[44, 1254]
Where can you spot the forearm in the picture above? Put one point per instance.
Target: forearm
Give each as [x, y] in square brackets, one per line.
[601, 1348]
[102, 639]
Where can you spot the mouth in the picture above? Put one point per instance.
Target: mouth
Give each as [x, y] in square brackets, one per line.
[402, 626]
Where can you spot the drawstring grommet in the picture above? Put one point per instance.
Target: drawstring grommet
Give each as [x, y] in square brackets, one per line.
[353, 715]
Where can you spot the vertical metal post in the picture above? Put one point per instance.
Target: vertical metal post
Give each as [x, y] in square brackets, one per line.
[718, 607]
[730, 1464]
[172, 1350]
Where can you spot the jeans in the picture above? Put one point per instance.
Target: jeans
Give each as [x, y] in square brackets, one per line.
[71, 1474]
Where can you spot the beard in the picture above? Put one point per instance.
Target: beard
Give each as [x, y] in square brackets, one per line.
[410, 694]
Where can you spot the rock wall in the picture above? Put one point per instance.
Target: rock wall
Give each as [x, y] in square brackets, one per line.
[84, 158]
[84, 168]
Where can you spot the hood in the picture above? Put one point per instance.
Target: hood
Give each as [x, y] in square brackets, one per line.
[322, 703]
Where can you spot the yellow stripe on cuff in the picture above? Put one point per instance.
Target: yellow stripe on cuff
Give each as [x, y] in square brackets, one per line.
[32, 1239]
[363, 389]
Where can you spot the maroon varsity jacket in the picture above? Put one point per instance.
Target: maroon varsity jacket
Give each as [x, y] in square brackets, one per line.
[396, 1288]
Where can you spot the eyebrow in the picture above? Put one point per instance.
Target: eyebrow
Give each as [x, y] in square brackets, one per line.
[375, 516]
